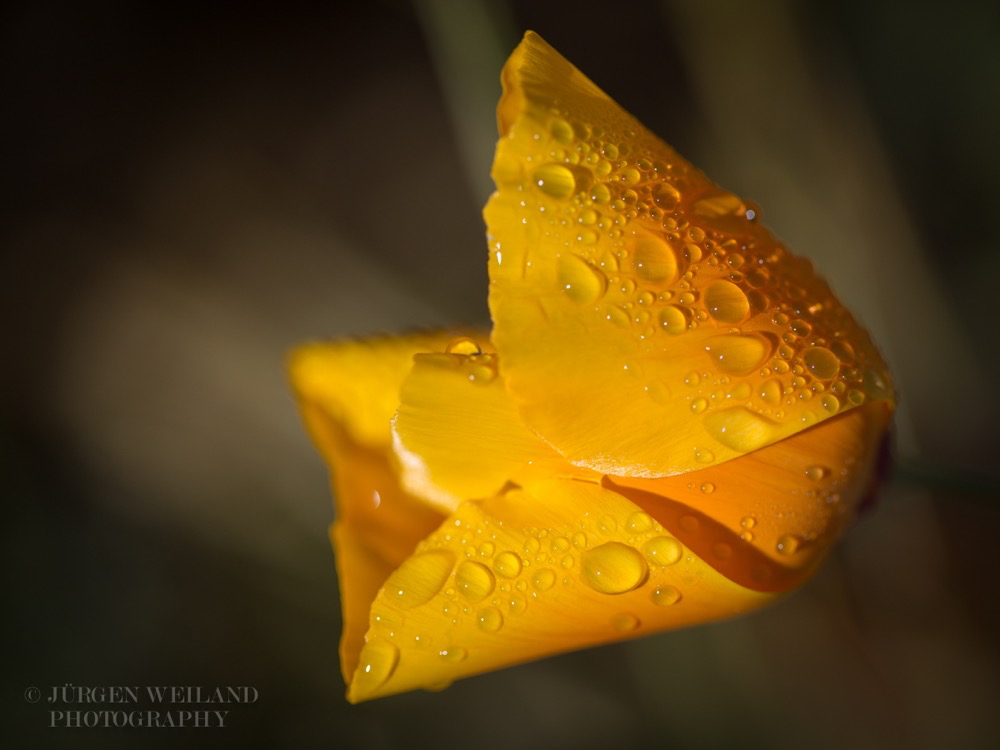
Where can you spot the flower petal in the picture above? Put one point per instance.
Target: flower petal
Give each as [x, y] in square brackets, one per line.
[348, 392]
[767, 519]
[648, 324]
[564, 565]
[459, 435]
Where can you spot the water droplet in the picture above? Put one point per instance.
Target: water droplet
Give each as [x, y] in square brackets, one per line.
[664, 596]
[507, 565]
[419, 578]
[654, 260]
[821, 362]
[770, 391]
[532, 545]
[579, 540]
[515, 603]
[561, 131]
[623, 622]
[631, 175]
[672, 320]
[613, 568]
[856, 397]
[463, 345]
[486, 549]
[788, 544]
[830, 403]
[816, 473]
[703, 456]
[740, 429]
[722, 550]
[567, 562]
[666, 196]
[607, 525]
[453, 654]
[639, 523]
[748, 522]
[708, 488]
[490, 619]
[543, 579]
[579, 281]
[555, 180]
[663, 550]
[726, 302]
[800, 327]
[738, 354]
[719, 204]
[699, 405]
[474, 581]
[843, 351]
[600, 194]
[689, 524]
[560, 544]
[376, 664]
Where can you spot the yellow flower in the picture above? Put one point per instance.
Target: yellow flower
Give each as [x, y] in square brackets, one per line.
[671, 422]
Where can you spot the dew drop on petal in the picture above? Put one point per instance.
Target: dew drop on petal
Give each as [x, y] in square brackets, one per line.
[453, 654]
[543, 579]
[474, 581]
[672, 320]
[639, 523]
[740, 429]
[738, 354]
[663, 550]
[664, 596]
[580, 282]
[726, 302]
[821, 362]
[376, 664]
[788, 544]
[555, 180]
[419, 578]
[654, 260]
[507, 565]
[613, 568]
[490, 619]
[623, 622]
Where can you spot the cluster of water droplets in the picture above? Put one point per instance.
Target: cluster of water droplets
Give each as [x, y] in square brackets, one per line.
[487, 584]
[647, 244]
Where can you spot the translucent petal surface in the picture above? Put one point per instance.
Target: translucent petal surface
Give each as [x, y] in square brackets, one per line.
[648, 324]
[528, 574]
[767, 519]
[459, 435]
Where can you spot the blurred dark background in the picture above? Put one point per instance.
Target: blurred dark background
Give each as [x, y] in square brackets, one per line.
[193, 190]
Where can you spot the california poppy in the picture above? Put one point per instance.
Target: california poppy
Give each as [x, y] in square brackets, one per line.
[671, 421]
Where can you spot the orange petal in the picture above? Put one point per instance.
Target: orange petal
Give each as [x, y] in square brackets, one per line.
[459, 435]
[648, 324]
[525, 575]
[767, 519]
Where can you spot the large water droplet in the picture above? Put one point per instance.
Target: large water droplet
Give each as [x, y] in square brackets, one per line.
[663, 550]
[738, 354]
[490, 619]
[419, 578]
[726, 302]
[740, 429]
[664, 596]
[666, 196]
[474, 581]
[579, 281]
[788, 544]
[654, 260]
[561, 130]
[613, 568]
[453, 654]
[821, 362]
[376, 664]
[672, 320]
[555, 180]
[816, 473]
[639, 523]
[507, 565]
[543, 579]
[623, 622]
[770, 391]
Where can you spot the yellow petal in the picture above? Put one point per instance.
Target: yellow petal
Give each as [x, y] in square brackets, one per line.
[648, 324]
[357, 382]
[459, 435]
[767, 519]
[521, 576]
[348, 392]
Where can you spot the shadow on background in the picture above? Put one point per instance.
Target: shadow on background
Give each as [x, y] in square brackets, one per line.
[193, 191]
